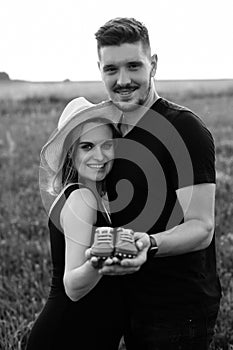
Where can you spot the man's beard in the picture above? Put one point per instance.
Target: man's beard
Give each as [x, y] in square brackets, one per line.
[131, 106]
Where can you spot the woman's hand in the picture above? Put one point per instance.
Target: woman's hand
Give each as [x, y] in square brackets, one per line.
[114, 266]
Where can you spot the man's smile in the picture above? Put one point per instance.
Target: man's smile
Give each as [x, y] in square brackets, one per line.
[125, 91]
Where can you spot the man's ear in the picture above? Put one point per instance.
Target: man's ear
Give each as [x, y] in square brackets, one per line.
[154, 60]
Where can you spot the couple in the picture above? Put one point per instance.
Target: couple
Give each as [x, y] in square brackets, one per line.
[167, 297]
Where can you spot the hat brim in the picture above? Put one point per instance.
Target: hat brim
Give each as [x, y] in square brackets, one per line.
[52, 150]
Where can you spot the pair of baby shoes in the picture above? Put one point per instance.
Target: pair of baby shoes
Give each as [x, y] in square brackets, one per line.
[110, 242]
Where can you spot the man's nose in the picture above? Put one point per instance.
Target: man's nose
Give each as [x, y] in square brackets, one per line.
[123, 77]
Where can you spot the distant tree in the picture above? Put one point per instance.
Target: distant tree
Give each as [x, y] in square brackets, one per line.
[4, 76]
[66, 80]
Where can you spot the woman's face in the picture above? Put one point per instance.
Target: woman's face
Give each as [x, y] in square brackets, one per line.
[94, 151]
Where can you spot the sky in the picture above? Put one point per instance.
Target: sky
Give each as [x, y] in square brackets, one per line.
[53, 40]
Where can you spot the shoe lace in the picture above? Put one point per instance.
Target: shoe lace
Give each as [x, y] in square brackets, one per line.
[104, 236]
[127, 236]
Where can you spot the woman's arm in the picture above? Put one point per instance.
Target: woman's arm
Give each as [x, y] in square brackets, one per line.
[77, 218]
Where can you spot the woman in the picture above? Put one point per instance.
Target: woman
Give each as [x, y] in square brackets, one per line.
[78, 313]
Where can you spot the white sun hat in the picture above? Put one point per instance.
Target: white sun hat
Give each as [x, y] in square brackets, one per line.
[76, 112]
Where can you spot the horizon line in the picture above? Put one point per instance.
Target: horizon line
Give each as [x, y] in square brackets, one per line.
[100, 81]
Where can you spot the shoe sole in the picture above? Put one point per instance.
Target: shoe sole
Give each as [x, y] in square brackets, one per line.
[119, 255]
[102, 255]
[124, 255]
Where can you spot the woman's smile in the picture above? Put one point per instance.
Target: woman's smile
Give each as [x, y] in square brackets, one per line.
[96, 166]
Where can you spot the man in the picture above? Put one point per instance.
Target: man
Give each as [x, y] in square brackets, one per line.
[171, 288]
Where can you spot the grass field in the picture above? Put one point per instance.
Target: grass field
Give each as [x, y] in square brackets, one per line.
[94, 90]
[28, 114]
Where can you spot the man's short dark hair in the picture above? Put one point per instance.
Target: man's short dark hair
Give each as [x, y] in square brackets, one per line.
[122, 30]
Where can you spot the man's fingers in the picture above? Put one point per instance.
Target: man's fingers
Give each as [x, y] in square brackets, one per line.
[108, 261]
[137, 262]
[139, 245]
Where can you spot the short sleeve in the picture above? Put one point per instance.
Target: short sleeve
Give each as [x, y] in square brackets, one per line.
[195, 163]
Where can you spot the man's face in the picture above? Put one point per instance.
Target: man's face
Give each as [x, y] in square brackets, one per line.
[126, 72]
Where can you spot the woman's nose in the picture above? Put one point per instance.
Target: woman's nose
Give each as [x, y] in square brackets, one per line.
[98, 153]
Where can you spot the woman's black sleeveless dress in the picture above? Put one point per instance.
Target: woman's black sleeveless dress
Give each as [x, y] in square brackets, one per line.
[93, 322]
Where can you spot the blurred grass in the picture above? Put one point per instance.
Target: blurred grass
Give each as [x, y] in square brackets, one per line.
[25, 124]
[95, 91]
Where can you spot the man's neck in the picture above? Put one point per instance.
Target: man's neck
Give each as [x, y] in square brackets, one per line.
[152, 96]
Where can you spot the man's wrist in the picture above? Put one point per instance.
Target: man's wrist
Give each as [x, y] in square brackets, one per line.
[153, 248]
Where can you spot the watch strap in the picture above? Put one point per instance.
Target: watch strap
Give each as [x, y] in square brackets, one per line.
[153, 249]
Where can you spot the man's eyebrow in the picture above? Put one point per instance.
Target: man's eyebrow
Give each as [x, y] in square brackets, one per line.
[107, 66]
[138, 63]
[112, 65]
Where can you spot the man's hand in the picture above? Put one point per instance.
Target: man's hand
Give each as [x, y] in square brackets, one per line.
[114, 266]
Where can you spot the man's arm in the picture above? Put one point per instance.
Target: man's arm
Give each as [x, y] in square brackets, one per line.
[194, 234]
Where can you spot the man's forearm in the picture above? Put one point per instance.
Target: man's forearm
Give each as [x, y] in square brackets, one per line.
[190, 236]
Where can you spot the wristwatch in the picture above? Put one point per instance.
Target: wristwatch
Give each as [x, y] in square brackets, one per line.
[153, 249]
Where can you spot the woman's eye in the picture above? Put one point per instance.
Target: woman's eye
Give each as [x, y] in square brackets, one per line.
[107, 145]
[86, 147]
